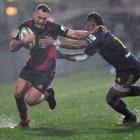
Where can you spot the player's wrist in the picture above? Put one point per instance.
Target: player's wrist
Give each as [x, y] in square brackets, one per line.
[23, 42]
[57, 43]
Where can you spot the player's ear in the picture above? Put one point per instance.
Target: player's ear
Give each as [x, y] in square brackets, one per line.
[94, 25]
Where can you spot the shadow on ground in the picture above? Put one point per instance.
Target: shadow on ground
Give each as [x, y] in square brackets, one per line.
[46, 131]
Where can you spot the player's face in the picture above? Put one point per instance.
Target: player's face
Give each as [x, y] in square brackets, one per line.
[40, 18]
[90, 26]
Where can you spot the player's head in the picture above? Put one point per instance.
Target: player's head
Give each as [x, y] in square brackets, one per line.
[93, 20]
[40, 15]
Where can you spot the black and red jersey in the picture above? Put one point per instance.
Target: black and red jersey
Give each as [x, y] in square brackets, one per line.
[43, 58]
[113, 51]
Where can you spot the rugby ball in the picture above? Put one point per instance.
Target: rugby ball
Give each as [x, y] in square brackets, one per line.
[23, 32]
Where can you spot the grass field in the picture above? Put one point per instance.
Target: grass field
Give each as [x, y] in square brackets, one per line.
[81, 112]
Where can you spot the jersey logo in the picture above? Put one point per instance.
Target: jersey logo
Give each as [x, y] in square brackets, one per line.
[92, 37]
[63, 28]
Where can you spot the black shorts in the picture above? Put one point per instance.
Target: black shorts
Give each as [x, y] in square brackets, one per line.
[123, 81]
[40, 80]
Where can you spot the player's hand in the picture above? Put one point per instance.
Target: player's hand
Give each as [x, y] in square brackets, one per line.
[47, 41]
[43, 42]
[28, 38]
[50, 40]
[102, 28]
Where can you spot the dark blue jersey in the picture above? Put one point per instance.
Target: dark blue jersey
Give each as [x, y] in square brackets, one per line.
[112, 50]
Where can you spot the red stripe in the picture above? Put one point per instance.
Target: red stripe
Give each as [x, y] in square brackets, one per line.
[48, 62]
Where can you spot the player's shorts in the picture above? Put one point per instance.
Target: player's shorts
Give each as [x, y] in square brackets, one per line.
[124, 81]
[40, 80]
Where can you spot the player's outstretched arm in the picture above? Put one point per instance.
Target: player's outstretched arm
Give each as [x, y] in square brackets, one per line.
[68, 44]
[75, 57]
[73, 44]
[77, 34]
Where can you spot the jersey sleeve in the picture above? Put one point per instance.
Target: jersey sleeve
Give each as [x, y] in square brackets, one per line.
[91, 48]
[61, 30]
[93, 42]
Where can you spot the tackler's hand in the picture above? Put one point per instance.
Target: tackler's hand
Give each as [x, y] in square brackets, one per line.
[47, 41]
[53, 42]
[50, 40]
[102, 28]
[43, 42]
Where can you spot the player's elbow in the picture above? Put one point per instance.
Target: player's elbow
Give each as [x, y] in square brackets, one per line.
[11, 48]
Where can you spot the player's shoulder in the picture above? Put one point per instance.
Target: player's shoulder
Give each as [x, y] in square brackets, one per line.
[51, 24]
[104, 35]
[55, 25]
[28, 23]
[94, 36]
[98, 37]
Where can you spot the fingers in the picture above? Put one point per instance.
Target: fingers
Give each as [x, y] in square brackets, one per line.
[102, 28]
[47, 41]
[29, 38]
[42, 42]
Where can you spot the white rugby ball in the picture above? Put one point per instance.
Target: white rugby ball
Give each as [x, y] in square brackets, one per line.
[23, 32]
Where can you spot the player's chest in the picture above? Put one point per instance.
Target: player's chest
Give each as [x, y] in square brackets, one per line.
[46, 32]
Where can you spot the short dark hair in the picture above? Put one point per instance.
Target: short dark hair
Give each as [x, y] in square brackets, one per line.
[43, 7]
[96, 17]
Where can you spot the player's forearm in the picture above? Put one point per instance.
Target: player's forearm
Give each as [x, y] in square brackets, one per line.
[80, 34]
[68, 44]
[77, 34]
[16, 44]
[73, 44]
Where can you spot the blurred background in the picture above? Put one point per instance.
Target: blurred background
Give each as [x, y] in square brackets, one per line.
[121, 16]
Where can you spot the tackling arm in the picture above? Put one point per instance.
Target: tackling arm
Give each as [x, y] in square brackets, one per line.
[77, 34]
[73, 44]
[68, 44]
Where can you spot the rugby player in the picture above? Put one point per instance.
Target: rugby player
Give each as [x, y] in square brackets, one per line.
[38, 73]
[114, 52]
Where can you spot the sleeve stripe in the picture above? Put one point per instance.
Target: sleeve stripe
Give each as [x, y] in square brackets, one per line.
[89, 40]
